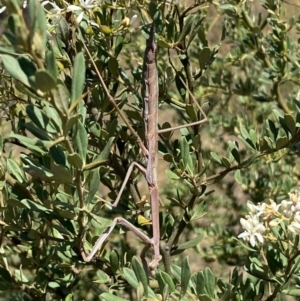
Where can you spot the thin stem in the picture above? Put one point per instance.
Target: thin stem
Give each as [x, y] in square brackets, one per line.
[111, 99]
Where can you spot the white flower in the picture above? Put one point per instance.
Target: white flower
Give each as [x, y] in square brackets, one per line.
[85, 5]
[264, 210]
[253, 230]
[2, 9]
[292, 206]
[256, 209]
[54, 12]
[286, 208]
[133, 19]
[295, 224]
[88, 4]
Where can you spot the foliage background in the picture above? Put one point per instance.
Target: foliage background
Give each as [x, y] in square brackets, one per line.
[242, 65]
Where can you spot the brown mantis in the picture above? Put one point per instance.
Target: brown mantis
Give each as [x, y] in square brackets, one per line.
[149, 150]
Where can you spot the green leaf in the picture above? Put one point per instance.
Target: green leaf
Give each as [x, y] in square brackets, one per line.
[166, 125]
[179, 78]
[168, 158]
[229, 9]
[195, 30]
[238, 178]
[61, 99]
[111, 297]
[102, 277]
[81, 140]
[40, 119]
[253, 136]
[29, 68]
[185, 154]
[205, 283]
[165, 293]
[185, 276]
[51, 63]
[133, 115]
[226, 162]
[106, 151]
[205, 298]
[176, 272]
[282, 142]
[132, 280]
[67, 214]
[35, 206]
[166, 280]
[140, 274]
[190, 111]
[171, 27]
[69, 297]
[273, 131]
[75, 160]
[58, 173]
[113, 66]
[140, 291]
[198, 211]
[101, 224]
[36, 131]
[114, 261]
[202, 36]
[204, 58]
[248, 142]
[130, 277]
[14, 169]
[21, 276]
[33, 234]
[155, 13]
[119, 44]
[27, 90]
[245, 246]
[61, 174]
[216, 157]
[44, 81]
[78, 77]
[13, 68]
[171, 175]
[72, 121]
[258, 270]
[162, 43]
[32, 144]
[37, 25]
[53, 284]
[290, 123]
[1, 145]
[61, 229]
[187, 27]
[58, 155]
[234, 151]
[245, 133]
[94, 181]
[5, 276]
[292, 292]
[14, 6]
[15, 203]
[187, 245]
[55, 123]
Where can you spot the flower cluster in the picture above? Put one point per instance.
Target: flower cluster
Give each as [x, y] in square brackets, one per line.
[262, 217]
[54, 12]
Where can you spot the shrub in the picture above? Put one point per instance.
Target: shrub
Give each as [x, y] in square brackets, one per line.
[66, 148]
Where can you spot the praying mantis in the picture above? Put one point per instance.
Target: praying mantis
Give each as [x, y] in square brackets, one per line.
[149, 149]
